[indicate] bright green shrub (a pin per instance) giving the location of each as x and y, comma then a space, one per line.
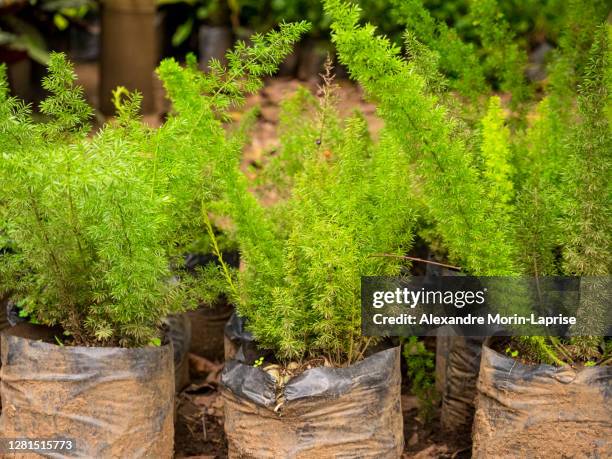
495, 150
504, 59
588, 234
508, 209
459, 60
565, 197
223, 89
317, 120
97, 222
570, 59
540, 150
427, 135
492, 57
303, 258
526, 18
90, 230
340, 214
197, 121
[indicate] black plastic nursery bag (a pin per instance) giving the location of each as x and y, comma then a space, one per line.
110, 402
323, 412
462, 361
541, 411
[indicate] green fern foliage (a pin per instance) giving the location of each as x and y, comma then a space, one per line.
457, 59
427, 134
588, 235
579, 22
504, 59
495, 150
99, 222
538, 182
303, 258
89, 233
507, 201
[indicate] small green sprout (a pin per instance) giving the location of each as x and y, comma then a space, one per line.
511, 353
258, 362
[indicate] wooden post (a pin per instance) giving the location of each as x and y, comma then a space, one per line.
129, 50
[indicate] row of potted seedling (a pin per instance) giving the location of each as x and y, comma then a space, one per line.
95, 228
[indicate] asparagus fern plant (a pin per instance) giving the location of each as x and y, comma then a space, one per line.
303, 258
510, 204
97, 221
88, 226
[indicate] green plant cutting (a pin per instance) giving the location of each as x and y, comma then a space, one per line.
303, 258
421, 373
505, 202
88, 216
97, 222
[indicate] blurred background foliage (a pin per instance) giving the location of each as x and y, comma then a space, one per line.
30, 29
532, 20
35, 25
31, 26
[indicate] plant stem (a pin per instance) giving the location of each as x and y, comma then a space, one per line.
406, 257
217, 252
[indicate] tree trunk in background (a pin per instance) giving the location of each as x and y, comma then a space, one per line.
129, 50
19, 71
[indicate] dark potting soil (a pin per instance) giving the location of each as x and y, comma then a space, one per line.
198, 430
424, 440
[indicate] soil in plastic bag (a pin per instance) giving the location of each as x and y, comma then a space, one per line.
323, 413
541, 411
178, 331
112, 402
457, 368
